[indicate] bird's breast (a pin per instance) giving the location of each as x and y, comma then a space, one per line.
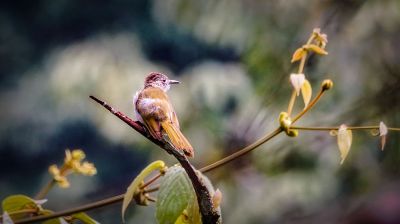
153, 103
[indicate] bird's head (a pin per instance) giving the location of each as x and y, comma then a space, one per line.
159, 80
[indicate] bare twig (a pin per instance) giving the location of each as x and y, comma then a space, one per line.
241, 152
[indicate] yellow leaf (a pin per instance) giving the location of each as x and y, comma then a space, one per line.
84, 218
182, 219
297, 81
383, 130
306, 92
298, 54
344, 139
133, 187
315, 48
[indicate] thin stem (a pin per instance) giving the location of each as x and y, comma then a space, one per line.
86, 207
43, 192
337, 128
299, 71
302, 63
303, 59
151, 181
309, 106
150, 190
291, 102
22, 211
151, 199
241, 152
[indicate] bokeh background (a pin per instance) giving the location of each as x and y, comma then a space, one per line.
233, 59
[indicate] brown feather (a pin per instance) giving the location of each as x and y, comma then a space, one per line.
176, 138
159, 117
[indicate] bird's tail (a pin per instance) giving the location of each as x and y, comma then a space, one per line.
177, 139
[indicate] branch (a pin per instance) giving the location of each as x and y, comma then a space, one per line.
93, 205
207, 210
138, 127
337, 128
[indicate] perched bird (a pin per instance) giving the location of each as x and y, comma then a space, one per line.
155, 111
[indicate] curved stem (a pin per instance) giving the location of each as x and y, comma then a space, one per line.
337, 128
43, 192
86, 207
151, 181
29, 210
241, 152
151, 189
291, 102
309, 106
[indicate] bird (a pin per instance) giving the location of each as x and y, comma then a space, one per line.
154, 110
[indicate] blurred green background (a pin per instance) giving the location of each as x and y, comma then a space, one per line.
233, 60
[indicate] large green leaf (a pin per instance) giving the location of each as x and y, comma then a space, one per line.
174, 196
133, 187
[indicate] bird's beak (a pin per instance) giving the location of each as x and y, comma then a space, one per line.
174, 82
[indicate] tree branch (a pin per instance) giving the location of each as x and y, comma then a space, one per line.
86, 207
207, 210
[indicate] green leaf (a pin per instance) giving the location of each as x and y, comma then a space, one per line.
84, 218
174, 196
133, 187
192, 210
19, 202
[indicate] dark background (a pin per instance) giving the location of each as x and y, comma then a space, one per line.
233, 59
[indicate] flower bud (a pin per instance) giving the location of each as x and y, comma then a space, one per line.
292, 133
327, 84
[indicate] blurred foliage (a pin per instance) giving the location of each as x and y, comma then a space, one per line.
233, 59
